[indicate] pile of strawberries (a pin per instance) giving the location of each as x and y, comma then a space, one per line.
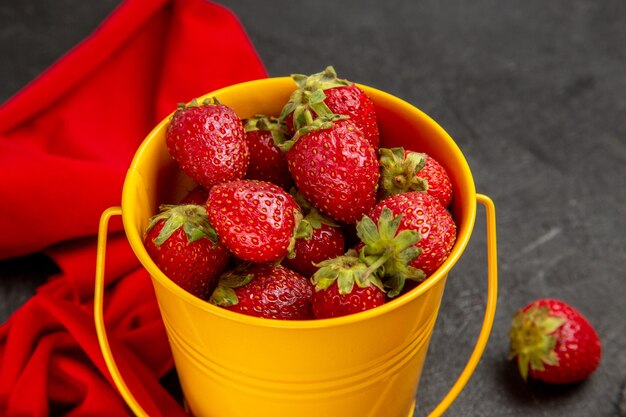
300, 215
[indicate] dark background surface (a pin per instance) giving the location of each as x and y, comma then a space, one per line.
534, 94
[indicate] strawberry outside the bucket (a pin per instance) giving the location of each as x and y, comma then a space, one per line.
553, 342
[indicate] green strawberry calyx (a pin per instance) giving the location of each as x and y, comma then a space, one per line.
392, 250
312, 219
306, 104
208, 101
311, 222
346, 270
305, 123
399, 171
191, 217
224, 294
274, 125
306, 225
320, 81
291, 247
532, 339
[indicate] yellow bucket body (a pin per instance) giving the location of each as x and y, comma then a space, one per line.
362, 365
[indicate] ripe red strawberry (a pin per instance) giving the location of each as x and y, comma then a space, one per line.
182, 243
323, 93
198, 195
404, 170
425, 214
352, 101
318, 238
267, 161
345, 285
265, 290
256, 220
553, 342
208, 143
335, 169
379, 263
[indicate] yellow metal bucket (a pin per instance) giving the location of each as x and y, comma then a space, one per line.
363, 365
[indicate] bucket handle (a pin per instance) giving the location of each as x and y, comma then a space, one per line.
490, 311
99, 317
481, 343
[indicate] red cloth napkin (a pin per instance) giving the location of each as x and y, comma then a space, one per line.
66, 142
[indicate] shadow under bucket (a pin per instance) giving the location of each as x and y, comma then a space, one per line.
363, 365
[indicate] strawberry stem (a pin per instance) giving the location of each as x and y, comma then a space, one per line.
373, 268
267, 124
191, 217
391, 252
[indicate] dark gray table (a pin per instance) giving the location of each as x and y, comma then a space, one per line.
533, 92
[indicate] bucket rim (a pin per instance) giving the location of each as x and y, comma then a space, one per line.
136, 239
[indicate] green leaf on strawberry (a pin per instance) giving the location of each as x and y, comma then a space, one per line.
383, 243
404, 171
346, 270
270, 124
321, 80
399, 171
318, 238
324, 95
183, 244
534, 331
335, 291
424, 213
553, 342
306, 124
191, 217
312, 220
224, 294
